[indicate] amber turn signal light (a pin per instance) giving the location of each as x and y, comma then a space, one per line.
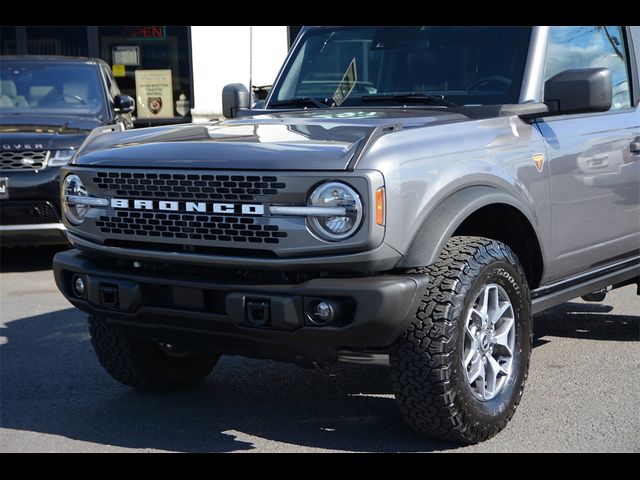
380, 206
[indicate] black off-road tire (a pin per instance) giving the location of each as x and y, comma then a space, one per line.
427, 372
146, 365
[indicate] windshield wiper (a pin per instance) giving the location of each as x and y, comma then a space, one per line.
316, 102
416, 97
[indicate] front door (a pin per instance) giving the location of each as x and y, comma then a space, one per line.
595, 178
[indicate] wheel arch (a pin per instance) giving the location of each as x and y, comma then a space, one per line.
473, 211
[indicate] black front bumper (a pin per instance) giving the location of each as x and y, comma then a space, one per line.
371, 312
31, 213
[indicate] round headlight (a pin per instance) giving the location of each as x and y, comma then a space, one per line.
335, 194
73, 187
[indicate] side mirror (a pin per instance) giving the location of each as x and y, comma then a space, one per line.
123, 104
234, 97
579, 90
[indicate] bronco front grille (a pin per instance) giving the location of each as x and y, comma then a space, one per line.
23, 159
202, 212
189, 227
177, 186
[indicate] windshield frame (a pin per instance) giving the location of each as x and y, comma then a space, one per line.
527, 92
103, 112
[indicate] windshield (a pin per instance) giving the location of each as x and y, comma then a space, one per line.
355, 65
50, 89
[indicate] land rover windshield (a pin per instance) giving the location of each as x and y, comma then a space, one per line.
360, 66
50, 88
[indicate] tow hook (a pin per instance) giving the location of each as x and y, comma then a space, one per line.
257, 312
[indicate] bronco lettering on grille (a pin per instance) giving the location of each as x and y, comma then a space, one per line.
174, 206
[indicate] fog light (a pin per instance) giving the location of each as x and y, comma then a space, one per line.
77, 285
322, 312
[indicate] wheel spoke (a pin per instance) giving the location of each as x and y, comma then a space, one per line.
471, 331
495, 366
494, 302
499, 312
484, 303
502, 334
470, 355
493, 369
480, 383
477, 369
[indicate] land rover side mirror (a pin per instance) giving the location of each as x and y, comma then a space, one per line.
234, 97
123, 104
579, 90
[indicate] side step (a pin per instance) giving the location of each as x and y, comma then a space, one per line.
588, 284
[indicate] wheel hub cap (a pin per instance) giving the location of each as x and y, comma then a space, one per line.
489, 342
484, 341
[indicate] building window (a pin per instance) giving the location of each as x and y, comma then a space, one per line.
8, 41
144, 56
69, 41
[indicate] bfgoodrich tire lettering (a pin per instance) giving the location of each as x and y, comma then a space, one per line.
145, 365
427, 368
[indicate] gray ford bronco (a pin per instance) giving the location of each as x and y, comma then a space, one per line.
408, 196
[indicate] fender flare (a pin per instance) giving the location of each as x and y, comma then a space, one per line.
446, 217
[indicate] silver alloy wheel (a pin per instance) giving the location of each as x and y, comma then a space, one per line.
489, 342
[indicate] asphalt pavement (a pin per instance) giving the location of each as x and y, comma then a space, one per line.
583, 393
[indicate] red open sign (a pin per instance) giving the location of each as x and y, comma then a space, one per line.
144, 32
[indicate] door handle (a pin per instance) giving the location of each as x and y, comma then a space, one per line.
635, 145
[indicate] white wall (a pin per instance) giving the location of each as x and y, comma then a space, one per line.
221, 55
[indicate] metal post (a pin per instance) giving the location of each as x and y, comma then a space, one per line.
250, 66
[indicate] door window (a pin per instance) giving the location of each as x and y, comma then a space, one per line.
584, 47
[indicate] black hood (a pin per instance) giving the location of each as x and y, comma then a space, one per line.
309, 140
23, 131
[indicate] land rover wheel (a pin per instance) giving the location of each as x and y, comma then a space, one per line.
460, 368
146, 365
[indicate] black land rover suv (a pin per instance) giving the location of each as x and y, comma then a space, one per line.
48, 106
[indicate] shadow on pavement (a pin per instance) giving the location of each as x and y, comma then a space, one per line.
51, 383
28, 259
588, 321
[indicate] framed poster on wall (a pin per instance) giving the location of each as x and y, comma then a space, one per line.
154, 94
126, 55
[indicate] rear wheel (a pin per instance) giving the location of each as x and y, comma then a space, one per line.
146, 365
460, 368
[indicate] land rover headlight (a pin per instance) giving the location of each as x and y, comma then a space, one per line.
335, 227
61, 157
73, 194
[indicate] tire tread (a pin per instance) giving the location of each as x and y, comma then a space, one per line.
422, 360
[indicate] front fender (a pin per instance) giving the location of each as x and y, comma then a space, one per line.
439, 226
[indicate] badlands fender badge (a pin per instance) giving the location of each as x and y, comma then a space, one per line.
538, 159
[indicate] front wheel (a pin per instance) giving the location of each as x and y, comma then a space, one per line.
460, 368
146, 365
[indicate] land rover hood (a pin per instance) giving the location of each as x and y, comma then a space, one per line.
39, 132
309, 140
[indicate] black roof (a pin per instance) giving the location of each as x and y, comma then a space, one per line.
51, 58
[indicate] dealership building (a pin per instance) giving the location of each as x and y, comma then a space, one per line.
189, 66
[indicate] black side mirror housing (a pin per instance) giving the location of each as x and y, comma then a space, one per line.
581, 90
123, 104
234, 97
